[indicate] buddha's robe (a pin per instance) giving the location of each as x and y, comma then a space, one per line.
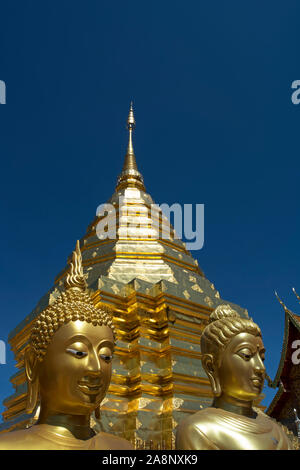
217, 429
47, 437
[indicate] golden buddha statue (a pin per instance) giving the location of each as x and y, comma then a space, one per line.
68, 368
232, 354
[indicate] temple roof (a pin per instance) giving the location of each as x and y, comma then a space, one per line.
281, 380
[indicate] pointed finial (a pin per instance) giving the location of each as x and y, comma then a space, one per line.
75, 277
130, 119
281, 302
130, 175
130, 160
293, 289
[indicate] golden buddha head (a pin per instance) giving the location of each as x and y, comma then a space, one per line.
68, 362
232, 354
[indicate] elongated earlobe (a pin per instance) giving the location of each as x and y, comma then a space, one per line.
32, 381
208, 362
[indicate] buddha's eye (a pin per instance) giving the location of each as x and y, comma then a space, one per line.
106, 357
77, 353
245, 354
105, 354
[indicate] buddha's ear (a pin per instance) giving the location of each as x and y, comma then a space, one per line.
211, 369
31, 362
30, 365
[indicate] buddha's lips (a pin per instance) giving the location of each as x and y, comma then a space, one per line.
258, 381
90, 388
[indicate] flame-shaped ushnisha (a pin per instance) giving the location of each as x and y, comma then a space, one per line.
72, 305
75, 277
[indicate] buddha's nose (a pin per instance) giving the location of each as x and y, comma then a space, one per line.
94, 365
259, 365
93, 379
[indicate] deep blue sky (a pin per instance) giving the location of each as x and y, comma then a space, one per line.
211, 84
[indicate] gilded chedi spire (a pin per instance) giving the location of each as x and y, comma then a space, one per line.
130, 176
130, 162
136, 240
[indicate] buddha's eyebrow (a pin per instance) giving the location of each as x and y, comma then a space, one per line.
249, 346
86, 341
244, 345
78, 337
106, 342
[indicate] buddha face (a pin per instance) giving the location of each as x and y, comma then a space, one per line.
76, 370
241, 370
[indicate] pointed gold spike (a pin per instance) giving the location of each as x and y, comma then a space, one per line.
293, 289
130, 162
131, 120
130, 176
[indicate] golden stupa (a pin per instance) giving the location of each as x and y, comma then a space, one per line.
161, 302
